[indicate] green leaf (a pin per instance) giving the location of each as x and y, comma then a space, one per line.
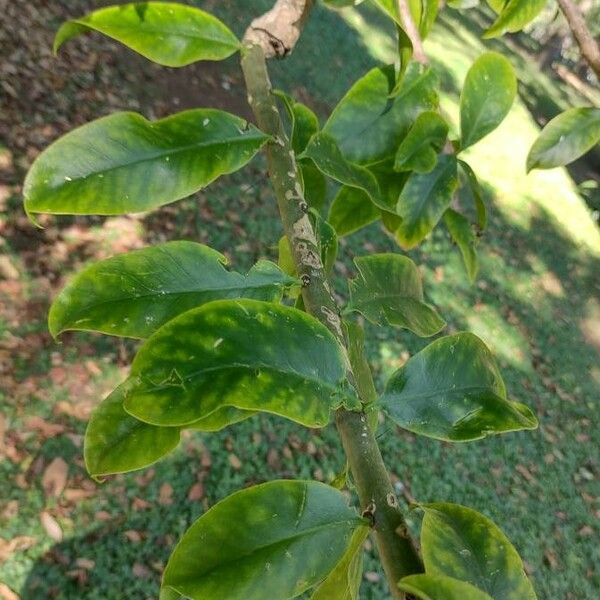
123, 163
220, 419
423, 13
459, 542
424, 200
115, 442
564, 139
343, 583
420, 148
487, 97
325, 153
462, 233
476, 192
368, 125
274, 540
453, 391
439, 587
328, 240
304, 122
314, 184
388, 290
167, 33
243, 353
134, 294
351, 210
358, 361
514, 15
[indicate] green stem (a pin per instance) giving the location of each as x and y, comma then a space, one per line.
375, 491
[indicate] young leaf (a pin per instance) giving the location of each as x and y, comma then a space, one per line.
564, 139
242, 353
419, 149
351, 210
124, 163
461, 543
423, 13
325, 153
170, 34
367, 125
453, 391
134, 294
116, 442
274, 540
487, 96
424, 200
439, 587
388, 290
343, 583
476, 192
462, 233
514, 15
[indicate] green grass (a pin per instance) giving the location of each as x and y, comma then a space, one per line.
535, 303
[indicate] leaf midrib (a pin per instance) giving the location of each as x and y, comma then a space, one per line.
179, 150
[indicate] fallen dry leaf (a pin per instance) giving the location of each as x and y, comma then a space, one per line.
196, 492
85, 563
17, 544
7, 594
139, 570
133, 536
51, 526
235, 462
54, 478
45, 429
165, 494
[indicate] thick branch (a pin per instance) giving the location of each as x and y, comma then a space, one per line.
375, 491
590, 49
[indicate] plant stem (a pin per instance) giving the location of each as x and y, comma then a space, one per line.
376, 494
590, 49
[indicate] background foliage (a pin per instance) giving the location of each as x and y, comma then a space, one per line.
535, 303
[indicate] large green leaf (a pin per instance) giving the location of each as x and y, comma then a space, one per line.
368, 125
116, 442
462, 233
136, 293
243, 353
424, 199
476, 193
514, 15
453, 391
439, 587
487, 96
420, 148
388, 290
167, 33
325, 153
564, 139
343, 583
351, 210
461, 543
274, 540
124, 163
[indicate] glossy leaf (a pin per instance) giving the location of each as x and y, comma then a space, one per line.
439, 587
168, 33
314, 184
343, 583
351, 210
462, 233
325, 153
453, 391
116, 442
134, 294
420, 148
487, 96
369, 126
242, 353
423, 13
424, 200
461, 543
327, 239
274, 540
477, 193
564, 139
388, 290
124, 163
514, 15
